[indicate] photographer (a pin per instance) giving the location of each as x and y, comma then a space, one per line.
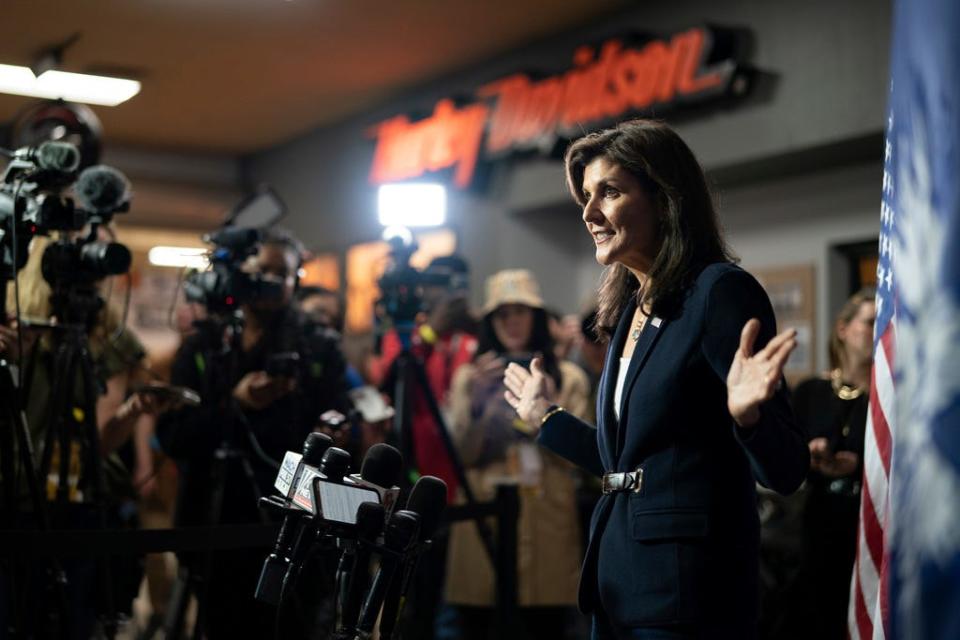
273, 401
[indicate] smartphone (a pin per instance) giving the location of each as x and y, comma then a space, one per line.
185, 395
524, 360
283, 365
369, 402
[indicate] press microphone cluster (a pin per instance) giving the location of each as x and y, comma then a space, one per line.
319, 498
361, 515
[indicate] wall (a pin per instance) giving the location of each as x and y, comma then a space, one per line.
824, 82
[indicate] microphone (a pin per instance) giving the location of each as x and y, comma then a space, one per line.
293, 463
428, 498
334, 464
62, 157
353, 574
277, 564
380, 471
102, 190
399, 536
326, 492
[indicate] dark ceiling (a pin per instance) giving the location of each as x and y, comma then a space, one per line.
236, 76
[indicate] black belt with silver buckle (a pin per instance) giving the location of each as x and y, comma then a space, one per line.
622, 481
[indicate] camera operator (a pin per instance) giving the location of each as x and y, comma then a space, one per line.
274, 401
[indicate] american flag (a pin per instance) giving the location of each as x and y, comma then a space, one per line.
906, 581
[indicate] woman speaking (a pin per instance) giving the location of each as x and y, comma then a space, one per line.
692, 410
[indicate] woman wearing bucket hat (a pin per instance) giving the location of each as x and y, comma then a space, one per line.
498, 447
691, 411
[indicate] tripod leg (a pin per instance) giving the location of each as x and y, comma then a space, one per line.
7, 448
486, 536
94, 468
401, 404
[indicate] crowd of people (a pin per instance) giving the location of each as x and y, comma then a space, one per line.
686, 431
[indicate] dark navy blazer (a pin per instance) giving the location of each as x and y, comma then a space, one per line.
684, 549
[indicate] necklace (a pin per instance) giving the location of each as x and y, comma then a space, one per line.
635, 334
843, 391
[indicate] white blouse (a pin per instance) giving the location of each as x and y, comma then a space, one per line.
618, 391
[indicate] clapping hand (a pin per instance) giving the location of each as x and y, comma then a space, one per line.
754, 377
529, 391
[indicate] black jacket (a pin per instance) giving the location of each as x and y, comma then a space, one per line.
684, 549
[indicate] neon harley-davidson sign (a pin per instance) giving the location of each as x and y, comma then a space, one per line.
519, 113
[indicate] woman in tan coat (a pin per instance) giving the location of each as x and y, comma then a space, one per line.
496, 448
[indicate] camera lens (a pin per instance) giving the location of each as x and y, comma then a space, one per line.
105, 258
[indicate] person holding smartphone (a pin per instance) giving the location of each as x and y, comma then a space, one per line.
496, 446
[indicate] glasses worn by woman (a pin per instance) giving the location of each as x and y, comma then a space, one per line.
691, 408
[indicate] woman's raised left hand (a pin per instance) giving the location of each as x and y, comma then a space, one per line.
754, 377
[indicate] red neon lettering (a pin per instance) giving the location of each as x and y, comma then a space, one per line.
511, 94
448, 138
524, 112
689, 82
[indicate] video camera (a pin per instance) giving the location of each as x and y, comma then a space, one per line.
32, 202
401, 285
225, 286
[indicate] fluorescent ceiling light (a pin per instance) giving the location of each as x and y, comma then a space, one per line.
412, 204
178, 257
73, 87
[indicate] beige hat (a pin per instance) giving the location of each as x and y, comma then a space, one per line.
512, 286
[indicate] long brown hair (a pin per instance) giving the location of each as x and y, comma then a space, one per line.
689, 231
846, 315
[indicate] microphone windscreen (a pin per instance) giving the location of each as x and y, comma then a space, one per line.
370, 516
101, 189
382, 465
428, 498
314, 447
401, 530
335, 464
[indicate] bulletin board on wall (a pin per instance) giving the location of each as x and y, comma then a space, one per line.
792, 291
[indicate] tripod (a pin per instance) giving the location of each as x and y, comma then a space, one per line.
219, 377
71, 425
407, 368
15, 442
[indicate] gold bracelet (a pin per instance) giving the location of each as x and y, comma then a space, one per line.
549, 414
